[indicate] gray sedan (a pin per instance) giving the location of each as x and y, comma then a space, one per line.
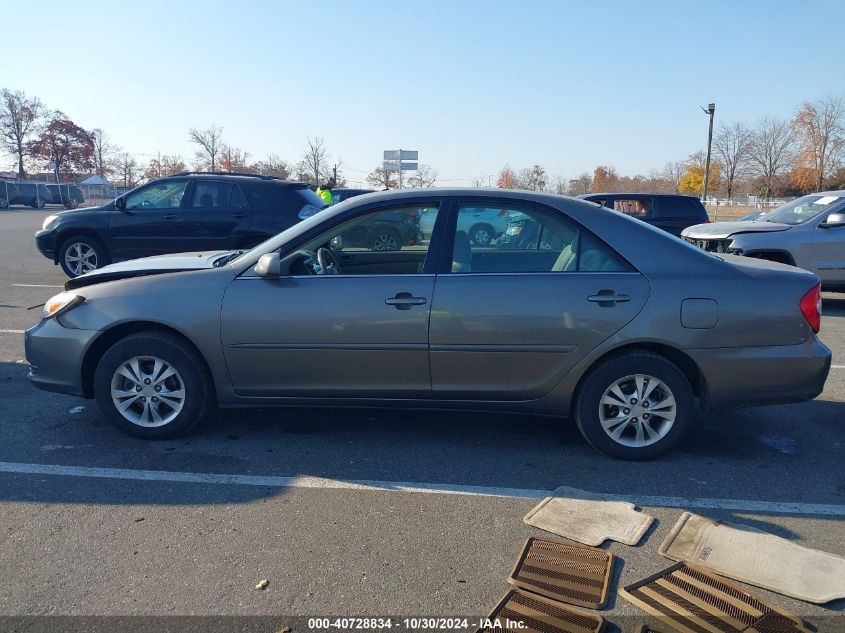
595, 317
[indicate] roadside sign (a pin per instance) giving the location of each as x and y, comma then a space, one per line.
401, 154
395, 165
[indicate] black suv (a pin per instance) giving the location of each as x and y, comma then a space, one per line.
32, 194
68, 195
8, 192
190, 211
339, 195
388, 231
670, 212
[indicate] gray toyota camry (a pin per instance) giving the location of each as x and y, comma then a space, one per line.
574, 311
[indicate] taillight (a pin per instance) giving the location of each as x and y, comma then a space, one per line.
811, 307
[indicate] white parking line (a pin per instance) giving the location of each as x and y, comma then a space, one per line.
12, 331
772, 507
36, 286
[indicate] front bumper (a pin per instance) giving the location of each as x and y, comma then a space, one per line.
747, 376
55, 355
45, 241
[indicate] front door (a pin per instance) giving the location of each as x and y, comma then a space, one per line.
149, 225
360, 333
511, 319
828, 252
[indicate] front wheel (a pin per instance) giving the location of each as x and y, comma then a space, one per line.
481, 235
4, 204
385, 239
634, 406
82, 254
38, 204
153, 385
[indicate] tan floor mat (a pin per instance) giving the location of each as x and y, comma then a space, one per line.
573, 574
540, 615
761, 559
589, 518
692, 600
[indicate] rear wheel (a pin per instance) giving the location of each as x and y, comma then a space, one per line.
153, 385
4, 204
384, 239
82, 254
634, 406
40, 203
481, 234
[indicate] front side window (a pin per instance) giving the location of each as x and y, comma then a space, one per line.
160, 195
532, 241
211, 195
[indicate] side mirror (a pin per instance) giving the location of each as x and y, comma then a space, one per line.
269, 265
834, 220
120, 204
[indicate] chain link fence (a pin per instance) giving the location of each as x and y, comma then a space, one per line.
39, 193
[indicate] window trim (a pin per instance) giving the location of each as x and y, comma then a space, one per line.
187, 194
445, 263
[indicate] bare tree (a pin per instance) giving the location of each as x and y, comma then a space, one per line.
104, 153
732, 146
672, 172
167, 166
382, 178
533, 178
210, 141
127, 168
19, 116
820, 131
424, 177
560, 185
273, 166
771, 149
580, 185
234, 159
314, 165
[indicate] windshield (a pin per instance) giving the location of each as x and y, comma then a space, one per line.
801, 210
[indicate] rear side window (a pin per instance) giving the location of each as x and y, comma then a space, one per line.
238, 199
682, 207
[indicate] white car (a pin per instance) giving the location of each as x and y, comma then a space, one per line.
482, 225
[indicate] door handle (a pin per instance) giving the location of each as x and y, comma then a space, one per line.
404, 301
608, 298
239, 215
170, 216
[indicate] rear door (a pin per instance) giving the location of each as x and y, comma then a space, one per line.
149, 225
675, 213
509, 324
216, 217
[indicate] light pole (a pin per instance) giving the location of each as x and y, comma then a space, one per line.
711, 108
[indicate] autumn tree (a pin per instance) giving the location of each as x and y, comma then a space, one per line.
425, 176
732, 147
65, 144
692, 180
604, 179
234, 159
507, 179
819, 129
167, 166
104, 156
383, 178
127, 169
771, 150
19, 116
273, 166
313, 167
210, 141
581, 185
533, 178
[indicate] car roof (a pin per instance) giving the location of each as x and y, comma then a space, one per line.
638, 193
229, 175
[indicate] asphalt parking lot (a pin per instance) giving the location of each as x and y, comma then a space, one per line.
357, 512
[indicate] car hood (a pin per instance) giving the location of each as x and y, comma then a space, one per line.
158, 265
721, 230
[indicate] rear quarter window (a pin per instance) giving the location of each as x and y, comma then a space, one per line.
682, 207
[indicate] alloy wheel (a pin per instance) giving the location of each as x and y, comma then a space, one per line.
148, 391
481, 237
80, 258
637, 410
385, 242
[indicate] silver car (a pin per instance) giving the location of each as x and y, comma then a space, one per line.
808, 232
619, 326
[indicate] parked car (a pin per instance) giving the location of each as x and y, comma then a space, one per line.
68, 195
8, 192
670, 212
339, 195
524, 232
35, 195
482, 226
192, 211
621, 327
386, 232
808, 232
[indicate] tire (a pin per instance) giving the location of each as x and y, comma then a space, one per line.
4, 204
91, 252
136, 356
71, 204
637, 439
384, 239
40, 203
481, 234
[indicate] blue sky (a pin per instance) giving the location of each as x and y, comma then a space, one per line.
471, 85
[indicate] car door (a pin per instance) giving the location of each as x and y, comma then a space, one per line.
149, 222
216, 216
509, 324
827, 251
361, 333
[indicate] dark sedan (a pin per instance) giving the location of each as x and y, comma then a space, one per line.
616, 325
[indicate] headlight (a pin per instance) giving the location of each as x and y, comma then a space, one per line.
50, 222
62, 302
